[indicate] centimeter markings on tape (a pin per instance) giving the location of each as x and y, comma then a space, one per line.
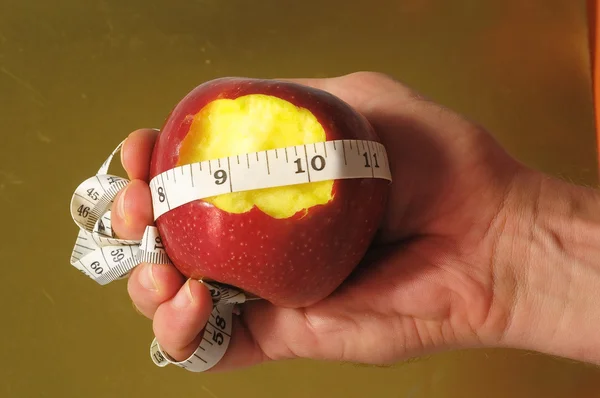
103, 257
329, 160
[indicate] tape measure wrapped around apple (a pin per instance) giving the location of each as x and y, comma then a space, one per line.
258, 187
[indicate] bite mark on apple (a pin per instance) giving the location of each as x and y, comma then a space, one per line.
253, 123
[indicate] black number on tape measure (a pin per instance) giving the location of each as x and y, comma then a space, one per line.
217, 337
118, 255
158, 357
317, 159
299, 165
83, 211
376, 163
158, 243
92, 193
112, 180
220, 177
220, 322
96, 267
317, 163
161, 194
215, 293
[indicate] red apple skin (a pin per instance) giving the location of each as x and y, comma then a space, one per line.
293, 262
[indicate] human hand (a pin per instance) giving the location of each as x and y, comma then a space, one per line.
430, 280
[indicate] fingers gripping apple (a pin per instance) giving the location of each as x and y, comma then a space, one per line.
291, 245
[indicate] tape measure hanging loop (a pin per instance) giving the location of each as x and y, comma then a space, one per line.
103, 257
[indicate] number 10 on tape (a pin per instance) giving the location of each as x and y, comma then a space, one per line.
330, 160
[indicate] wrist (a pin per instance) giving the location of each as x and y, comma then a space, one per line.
552, 238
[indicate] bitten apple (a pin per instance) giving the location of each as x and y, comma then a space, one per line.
291, 245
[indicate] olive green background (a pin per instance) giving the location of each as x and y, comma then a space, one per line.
77, 76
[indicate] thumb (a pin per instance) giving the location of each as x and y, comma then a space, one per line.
178, 322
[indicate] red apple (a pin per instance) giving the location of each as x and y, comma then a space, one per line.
292, 246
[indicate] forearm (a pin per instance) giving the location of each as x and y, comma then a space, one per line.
554, 239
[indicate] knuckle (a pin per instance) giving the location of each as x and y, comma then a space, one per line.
372, 77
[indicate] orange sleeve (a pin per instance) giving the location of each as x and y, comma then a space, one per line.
594, 38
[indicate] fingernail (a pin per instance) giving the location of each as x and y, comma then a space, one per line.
135, 307
121, 205
147, 278
184, 297
121, 151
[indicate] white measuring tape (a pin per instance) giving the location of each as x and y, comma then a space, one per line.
103, 257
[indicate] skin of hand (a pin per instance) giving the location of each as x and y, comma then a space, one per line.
443, 273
